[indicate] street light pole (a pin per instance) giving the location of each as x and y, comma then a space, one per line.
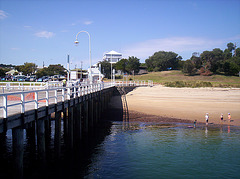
90, 60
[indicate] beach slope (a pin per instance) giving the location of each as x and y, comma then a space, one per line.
187, 103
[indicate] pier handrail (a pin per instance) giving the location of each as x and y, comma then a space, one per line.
66, 94
134, 83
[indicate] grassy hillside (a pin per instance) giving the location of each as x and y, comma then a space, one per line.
178, 79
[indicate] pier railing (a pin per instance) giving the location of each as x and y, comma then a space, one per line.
44, 97
44, 94
22, 86
134, 83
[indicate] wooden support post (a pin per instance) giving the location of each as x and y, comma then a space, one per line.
41, 141
18, 151
85, 129
57, 136
70, 127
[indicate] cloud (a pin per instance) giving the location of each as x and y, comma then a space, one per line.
87, 22
15, 48
3, 14
27, 26
44, 34
181, 45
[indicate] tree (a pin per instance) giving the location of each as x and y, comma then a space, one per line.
162, 60
51, 70
56, 70
230, 68
227, 54
106, 68
189, 67
27, 68
238, 52
231, 46
121, 65
133, 64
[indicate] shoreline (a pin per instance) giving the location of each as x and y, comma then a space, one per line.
184, 105
135, 116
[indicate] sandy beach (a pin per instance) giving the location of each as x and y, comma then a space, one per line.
187, 103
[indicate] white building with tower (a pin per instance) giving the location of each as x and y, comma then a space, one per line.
112, 56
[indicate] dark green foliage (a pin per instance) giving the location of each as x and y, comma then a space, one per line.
106, 68
27, 68
162, 60
189, 67
51, 70
214, 62
133, 65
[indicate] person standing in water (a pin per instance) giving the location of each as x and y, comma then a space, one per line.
221, 118
194, 124
229, 117
207, 118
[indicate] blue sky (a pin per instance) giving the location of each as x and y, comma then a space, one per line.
45, 30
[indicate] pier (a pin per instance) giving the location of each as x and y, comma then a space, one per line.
76, 109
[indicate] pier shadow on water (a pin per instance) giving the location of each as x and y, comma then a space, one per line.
118, 107
64, 156
61, 159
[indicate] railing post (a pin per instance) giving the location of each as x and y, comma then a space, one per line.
47, 97
56, 96
22, 103
36, 100
68, 93
63, 94
74, 92
5, 106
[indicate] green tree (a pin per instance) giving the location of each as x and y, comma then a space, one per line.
231, 46
106, 68
133, 64
238, 52
230, 68
227, 54
42, 72
121, 65
189, 67
56, 70
162, 60
27, 68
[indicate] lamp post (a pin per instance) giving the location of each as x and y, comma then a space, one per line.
90, 61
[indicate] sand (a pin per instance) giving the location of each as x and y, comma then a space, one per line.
187, 103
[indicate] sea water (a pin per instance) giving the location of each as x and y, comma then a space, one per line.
172, 152
136, 150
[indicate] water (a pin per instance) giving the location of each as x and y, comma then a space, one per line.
175, 152
135, 150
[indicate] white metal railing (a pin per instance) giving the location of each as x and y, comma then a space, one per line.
21, 86
134, 83
46, 96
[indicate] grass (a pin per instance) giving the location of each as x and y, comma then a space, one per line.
176, 78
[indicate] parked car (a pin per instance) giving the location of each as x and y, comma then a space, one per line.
33, 78
39, 80
20, 77
27, 78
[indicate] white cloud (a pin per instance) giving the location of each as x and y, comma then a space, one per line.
27, 26
88, 22
85, 22
180, 45
15, 48
44, 34
3, 14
